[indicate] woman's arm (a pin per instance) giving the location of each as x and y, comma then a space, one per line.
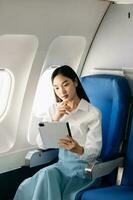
93, 144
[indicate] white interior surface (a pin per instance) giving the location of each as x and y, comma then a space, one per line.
66, 50
6, 90
16, 54
122, 1
113, 44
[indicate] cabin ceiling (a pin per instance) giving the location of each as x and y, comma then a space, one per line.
48, 19
120, 1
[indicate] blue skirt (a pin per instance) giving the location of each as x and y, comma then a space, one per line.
60, 181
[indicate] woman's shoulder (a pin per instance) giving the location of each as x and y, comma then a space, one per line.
91, 108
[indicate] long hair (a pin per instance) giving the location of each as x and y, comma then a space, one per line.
69, 73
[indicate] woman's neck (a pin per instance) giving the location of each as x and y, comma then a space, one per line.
73, 103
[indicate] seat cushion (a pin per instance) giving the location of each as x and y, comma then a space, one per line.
109, 193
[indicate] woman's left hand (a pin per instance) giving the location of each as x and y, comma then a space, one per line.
70, 144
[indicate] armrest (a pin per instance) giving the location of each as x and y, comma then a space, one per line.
98, 169
39, 157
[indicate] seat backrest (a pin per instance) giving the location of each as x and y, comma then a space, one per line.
127, 178
111, 94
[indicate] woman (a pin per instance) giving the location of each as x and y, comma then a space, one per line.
62, 180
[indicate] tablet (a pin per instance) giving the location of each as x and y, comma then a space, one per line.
52, 132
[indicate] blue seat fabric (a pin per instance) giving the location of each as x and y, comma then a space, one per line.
122, 192
112, 95
110, 193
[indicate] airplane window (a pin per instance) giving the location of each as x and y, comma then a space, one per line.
6, 87
44, 95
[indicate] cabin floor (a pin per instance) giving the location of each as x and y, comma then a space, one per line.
9, 181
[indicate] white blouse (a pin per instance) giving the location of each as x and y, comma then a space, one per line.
85, 125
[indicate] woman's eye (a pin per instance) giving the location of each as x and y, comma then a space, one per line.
66, 84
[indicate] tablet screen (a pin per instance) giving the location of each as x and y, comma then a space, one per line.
52, 132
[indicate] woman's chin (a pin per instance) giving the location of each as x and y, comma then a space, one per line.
65, 100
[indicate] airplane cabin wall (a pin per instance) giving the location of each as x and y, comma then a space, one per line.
113, 45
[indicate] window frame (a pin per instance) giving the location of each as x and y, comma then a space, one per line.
3, 111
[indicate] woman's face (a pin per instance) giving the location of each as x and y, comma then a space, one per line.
65, 88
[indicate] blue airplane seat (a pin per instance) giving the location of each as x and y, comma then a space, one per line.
123, 191
112, 95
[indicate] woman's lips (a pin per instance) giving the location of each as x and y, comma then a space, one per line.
65, 97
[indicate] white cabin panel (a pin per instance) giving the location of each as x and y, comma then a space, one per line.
113, 45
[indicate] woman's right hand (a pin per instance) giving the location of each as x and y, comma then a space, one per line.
62, 109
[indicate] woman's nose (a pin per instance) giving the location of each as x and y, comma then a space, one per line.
63, 90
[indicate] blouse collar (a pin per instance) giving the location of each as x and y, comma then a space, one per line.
83, 105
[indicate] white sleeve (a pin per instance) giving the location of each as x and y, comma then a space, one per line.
93, 144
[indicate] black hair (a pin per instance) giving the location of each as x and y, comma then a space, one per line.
67, 71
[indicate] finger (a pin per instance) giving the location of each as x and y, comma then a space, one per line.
66, 141
61, 107
70, 138
64, 102
62, 111
66, 146
67, 107
64, 108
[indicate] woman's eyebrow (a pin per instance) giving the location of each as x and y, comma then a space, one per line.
61, 83
65, 81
